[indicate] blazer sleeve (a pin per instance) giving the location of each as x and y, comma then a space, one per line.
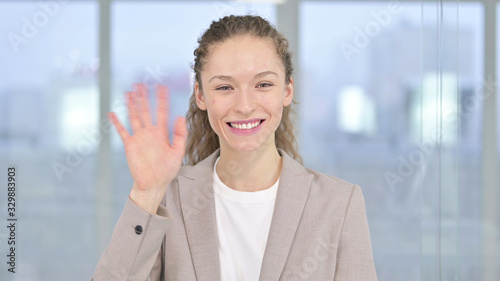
354, 255
135, 249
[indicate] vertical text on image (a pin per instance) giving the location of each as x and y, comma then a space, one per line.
11, 218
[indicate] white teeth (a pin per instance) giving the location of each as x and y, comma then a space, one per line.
246, 126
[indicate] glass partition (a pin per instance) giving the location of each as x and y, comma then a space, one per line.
49, 103
391, 99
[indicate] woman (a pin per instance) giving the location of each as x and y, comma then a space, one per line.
245, 208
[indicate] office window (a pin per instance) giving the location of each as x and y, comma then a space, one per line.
497, 63
48, 109
381, 84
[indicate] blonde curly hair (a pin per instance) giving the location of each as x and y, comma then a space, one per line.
202, 140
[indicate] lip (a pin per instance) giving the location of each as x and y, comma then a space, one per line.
244, 132
247, 121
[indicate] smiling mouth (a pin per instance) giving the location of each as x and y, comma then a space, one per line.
245, 126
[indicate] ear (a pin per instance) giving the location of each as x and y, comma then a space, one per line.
200, 97
288, 94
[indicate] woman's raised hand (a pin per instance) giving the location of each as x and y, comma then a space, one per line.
153, 161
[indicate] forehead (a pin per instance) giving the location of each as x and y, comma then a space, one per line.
243, 55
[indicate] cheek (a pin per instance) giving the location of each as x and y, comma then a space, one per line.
214, 115
277, 115
214, 123
279, 108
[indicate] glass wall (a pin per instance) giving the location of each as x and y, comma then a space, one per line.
391, 100
396, 96
49, 104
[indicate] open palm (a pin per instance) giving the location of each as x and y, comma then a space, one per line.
153, 161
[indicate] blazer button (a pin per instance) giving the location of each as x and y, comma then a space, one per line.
138, 229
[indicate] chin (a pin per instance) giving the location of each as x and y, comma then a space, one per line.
246, 147
250, 144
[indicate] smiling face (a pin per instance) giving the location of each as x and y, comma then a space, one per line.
244, 92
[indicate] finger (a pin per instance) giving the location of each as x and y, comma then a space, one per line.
119, 127
180, 135
143, 97
135, 119
133, 110
163, 101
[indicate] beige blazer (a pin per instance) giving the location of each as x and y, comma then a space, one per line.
319, 231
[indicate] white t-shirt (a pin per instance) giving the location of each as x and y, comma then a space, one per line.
243, 222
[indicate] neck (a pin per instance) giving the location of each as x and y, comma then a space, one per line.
249, 171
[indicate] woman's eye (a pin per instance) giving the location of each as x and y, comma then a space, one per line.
265, 85
223, 88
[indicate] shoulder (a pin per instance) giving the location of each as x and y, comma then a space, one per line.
334, 196
330, 186
321, 184
328, 180
201, 168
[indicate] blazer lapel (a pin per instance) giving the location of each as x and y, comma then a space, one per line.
293, 190
198, 211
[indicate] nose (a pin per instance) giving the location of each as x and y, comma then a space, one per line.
245, 103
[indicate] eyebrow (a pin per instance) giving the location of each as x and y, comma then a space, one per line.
229, 78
